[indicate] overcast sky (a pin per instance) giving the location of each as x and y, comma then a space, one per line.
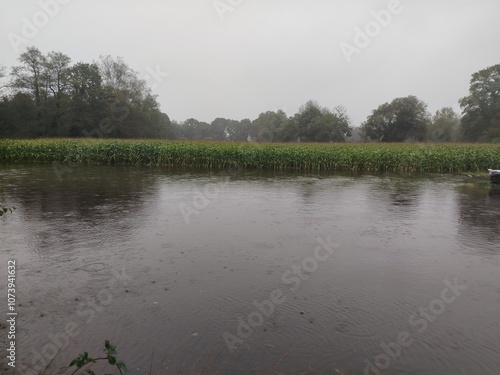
238, 58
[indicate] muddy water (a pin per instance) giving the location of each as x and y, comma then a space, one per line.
252, 273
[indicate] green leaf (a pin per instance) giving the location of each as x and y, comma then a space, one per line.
110, 348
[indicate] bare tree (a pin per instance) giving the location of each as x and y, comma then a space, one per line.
119, 76
28, 77
3, 74
56, 73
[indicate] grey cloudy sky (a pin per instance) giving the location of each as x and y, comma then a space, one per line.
249, 56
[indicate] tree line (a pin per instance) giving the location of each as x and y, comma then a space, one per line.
48, 96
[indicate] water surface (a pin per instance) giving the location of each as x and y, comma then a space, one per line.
165, 263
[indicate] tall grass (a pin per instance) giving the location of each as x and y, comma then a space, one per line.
277, 156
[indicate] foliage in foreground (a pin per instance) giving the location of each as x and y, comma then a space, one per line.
83, 359
271, 156
5, 210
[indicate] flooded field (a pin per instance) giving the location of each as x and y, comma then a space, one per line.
252, 273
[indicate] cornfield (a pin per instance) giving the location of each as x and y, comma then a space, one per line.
275, 156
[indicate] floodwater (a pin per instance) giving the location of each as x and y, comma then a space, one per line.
252, 273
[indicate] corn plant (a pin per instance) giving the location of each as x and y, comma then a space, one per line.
271, 156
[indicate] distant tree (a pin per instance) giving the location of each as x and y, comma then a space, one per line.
269, 126
307, 114
119, 76
29, 76
218, 128
445, 126
401, 120
318, 124
55, 78
45, 79
56, 73
168, 128
133, 111
104, 99
19, 117
481, 109
238, 131
88, 101
3, 74
194, 129
284, 128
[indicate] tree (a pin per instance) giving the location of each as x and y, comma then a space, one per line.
122, 79
19, 117
238, 131
284, 130
481, 109
56, 73
169, 129
133, 111
105, 99
88, 102
28, 77
317, 124
45, 79
308, 113
118, 75
194, 129
445, 126
55, 78
3, 74
401, 120
218, 128
268, 125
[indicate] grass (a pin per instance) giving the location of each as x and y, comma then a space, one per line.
409, 157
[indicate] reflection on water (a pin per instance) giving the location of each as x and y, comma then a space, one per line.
480, 217
108, 250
